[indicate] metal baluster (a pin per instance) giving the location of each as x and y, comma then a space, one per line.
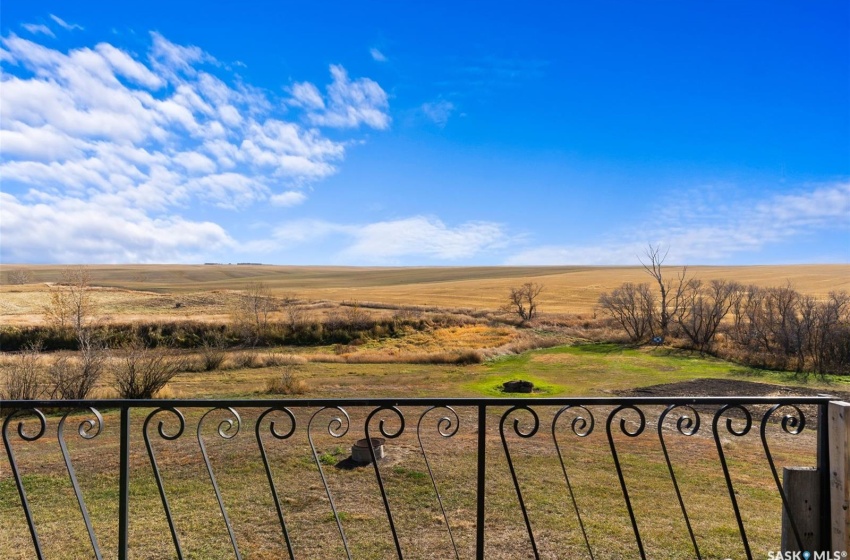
388, 435
686, 426
749, 423
14, 465
83, 430
522, 434
581, 428
635, 433
169, 437
334, 425
224, 428
281, 436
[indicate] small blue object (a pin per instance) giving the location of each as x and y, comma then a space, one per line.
807, 555
657, 339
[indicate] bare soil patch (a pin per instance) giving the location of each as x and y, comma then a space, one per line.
711, 387
736, 388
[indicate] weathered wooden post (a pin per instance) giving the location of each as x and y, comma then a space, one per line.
839, 474
802, 490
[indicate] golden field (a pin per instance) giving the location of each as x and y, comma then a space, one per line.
130, 292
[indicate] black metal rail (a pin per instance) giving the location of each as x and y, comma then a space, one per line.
518, 420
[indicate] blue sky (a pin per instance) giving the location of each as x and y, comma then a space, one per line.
439, 133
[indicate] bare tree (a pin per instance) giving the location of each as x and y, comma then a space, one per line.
24, 379
292, 311
702, 309
632, 306
19, 276
252, 312
70, 304
670, 289
826, 332
74, 378
142, 370
523, 300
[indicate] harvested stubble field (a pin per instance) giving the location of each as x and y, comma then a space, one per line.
126, 294
136, 291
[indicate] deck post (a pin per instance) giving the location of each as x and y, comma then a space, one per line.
802, 489
839, 470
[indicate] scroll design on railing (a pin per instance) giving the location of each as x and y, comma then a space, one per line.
14, 465
446, 427
582, 428
224, 431
168, 437
792, 425
748, 423
630, 433
277, 435
687, 426
389, 435
334, 427
84, 429
523, 434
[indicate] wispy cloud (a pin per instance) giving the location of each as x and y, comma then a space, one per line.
377, 55
438, 111
348, 103
288, 198
92, 132
65, 25
395, 241
38, 28
701, 227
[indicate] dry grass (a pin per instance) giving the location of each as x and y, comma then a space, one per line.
239, 472
146, 291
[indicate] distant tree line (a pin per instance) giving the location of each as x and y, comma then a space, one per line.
776, 327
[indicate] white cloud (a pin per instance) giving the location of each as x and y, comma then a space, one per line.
97, 131
72, 230
348, 103
394, 241
699, 230
288, 198
36, 28
439, 111
421, 236
307, 95
377, 55
65, 25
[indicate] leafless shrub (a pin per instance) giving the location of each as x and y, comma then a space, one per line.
247, 360
19, 276
141, 370
213, 352
287, 383
251, 313
24, 379
75, 377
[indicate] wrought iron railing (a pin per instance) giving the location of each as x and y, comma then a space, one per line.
494, 432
